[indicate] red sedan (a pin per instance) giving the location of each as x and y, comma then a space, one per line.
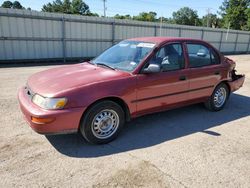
133, 78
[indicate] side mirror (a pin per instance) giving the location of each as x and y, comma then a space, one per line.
201, 53
152, 68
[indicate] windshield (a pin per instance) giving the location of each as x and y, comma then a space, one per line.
125, 55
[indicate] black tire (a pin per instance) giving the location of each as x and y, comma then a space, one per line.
210, 104
88, 129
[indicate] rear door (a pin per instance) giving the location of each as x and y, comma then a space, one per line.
204, 70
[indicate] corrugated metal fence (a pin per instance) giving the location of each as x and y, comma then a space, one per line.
30, 35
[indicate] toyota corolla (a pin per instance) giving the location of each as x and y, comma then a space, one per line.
133, 78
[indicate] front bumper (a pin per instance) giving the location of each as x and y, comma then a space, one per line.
65, 120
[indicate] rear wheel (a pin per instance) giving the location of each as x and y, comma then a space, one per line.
102, 122
218, 99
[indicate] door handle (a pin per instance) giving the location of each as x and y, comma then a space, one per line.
182, 78
217, 73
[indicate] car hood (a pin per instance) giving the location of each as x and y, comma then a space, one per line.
54, 81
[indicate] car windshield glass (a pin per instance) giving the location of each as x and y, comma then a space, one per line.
125, 55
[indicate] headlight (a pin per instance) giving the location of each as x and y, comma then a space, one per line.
49, 103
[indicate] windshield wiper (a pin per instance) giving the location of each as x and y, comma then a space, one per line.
90, 62
105, 65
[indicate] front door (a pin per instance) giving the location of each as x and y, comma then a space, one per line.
156, 91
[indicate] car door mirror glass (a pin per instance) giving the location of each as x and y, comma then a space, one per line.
201, 53
152, 68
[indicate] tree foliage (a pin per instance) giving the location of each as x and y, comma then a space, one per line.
7, 4
165, 20
146, 16
79, 7
17, 5
235, 13
211, 20
68, 7
247, 27
186, 16
122, 17
13, 5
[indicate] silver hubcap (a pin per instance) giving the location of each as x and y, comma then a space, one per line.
220, 97
105, 124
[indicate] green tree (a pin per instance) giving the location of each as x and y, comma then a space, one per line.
7, 4
68, 7
247, 26
211, 20
146, 16
14, 5
17, 5
122, 17
92, 14
235, 13
165, 20
55, 6
79, 7
186, 16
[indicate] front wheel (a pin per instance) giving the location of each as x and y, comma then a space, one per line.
218, 99
102, 122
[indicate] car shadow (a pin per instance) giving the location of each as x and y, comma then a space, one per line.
154, 129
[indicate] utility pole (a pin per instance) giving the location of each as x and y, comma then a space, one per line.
161, 25
208, 16
104, 8
228, 28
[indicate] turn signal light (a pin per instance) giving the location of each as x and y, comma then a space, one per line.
42, 120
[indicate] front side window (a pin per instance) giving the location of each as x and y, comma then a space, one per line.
125, 55
199, 56
169, 57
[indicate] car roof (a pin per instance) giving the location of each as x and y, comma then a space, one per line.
160, 40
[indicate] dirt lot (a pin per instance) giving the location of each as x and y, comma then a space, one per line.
187, 147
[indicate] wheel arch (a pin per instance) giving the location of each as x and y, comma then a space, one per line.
117, 100
227, 84
209, 104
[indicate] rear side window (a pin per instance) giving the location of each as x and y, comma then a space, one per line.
200, 55
214, 57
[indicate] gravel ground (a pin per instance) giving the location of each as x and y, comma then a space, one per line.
186, 147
